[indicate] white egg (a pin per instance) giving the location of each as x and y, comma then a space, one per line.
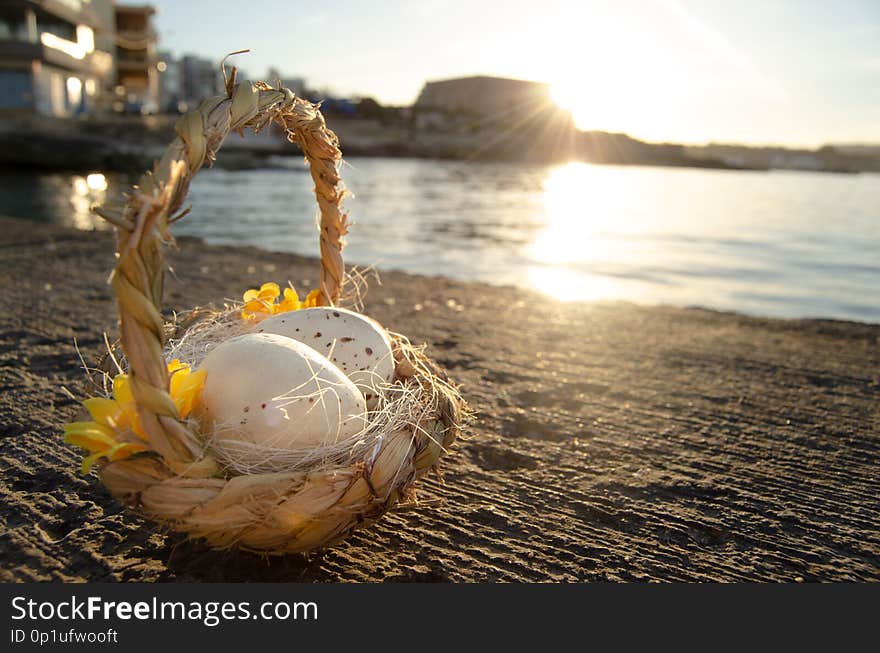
266, 392
357, 344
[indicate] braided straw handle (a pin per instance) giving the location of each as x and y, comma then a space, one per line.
143, 228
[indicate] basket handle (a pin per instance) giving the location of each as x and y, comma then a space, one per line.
142, 228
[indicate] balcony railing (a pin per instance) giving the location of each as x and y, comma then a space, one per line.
141, 38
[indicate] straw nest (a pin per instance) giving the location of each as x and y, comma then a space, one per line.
180, 480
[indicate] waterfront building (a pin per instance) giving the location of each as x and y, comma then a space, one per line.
137, 74
201, 78
483, 96
49, 59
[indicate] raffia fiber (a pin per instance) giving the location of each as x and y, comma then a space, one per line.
180, 484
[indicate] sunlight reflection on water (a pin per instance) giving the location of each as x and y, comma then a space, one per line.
62, 198
782, 243
86, 192
572, 235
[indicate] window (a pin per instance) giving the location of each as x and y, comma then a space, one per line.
74, 92
16, 89
47, 23
12, 25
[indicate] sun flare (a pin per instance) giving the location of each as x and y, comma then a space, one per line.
575, 98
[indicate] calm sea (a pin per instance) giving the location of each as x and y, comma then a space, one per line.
785, 244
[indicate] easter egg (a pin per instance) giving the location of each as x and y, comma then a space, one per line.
356, 344
265, 392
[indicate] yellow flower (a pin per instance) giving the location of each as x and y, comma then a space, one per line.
312, 299
117, 416
260, 304
290, 302
185, 386
99, 440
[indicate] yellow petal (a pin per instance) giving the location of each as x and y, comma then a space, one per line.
177, 377
80, 427
269, 291
136, 426
122, 389
88, 461
104, 411
250, 294
124, 450
258, 306
188, 391
91, 436
285, 307
290, 302
117, 452
312, 298
176, 365
256, 309
125, 417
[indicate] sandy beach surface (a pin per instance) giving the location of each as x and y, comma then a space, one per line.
611, 442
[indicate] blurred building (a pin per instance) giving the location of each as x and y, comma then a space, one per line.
49, 62
495, 118
295, 84
824, 159
185, 82
137, 74
170, 83
201, 78
483, 96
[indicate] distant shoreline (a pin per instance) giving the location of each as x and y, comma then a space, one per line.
131, 144
57, 151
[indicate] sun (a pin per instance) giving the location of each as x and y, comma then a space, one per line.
612, 104
575, 98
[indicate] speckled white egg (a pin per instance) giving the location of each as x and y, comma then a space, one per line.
267, 392
357, 344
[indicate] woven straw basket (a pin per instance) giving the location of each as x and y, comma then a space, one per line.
177, 482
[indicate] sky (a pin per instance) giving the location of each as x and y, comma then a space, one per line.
787, 72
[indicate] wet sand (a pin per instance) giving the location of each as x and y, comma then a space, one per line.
612, 442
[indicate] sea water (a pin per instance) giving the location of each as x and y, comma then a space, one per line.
779, 243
